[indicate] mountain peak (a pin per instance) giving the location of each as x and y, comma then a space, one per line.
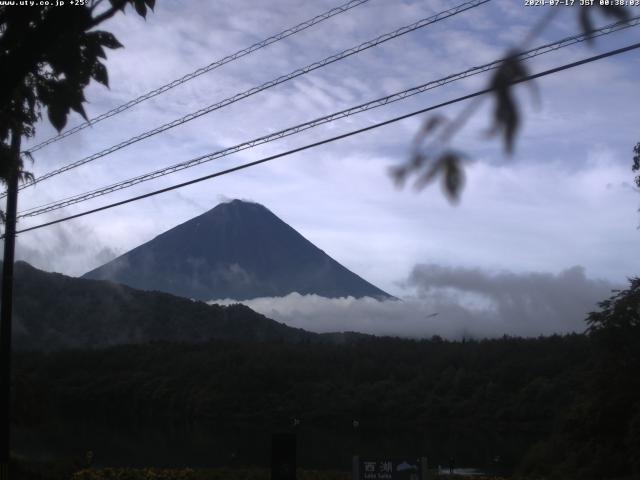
236, 203
238, 249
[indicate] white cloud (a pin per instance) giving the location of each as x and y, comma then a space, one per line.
452, 303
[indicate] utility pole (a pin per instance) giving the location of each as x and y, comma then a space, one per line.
6, 307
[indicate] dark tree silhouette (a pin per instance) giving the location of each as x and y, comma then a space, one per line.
48, 55
618, 313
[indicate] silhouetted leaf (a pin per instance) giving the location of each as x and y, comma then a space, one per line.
399, 175
57, 115
78, 108
94, 46
26, 177
119, 4
29, 155
140, 7
417, 160
428, 126
432, 123
586, 22
150, 3
615, 11
107, 39
67, 95
506, 118
427, 177
100, 74
453, 176
10, 164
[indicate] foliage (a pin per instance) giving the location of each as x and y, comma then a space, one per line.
169, 474
217, 474
190, 474
618, 321
23, 469
437, 158
600, 434
509, 386
48, 55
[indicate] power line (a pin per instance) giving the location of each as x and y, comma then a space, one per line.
333, 139
541, 50
284, 78
212, 66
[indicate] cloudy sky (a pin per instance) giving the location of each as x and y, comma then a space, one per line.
555, 224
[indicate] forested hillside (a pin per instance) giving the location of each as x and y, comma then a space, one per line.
564, 406
54, 311
508, 388
511, 383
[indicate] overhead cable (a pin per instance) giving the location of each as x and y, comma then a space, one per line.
212, 66
541, 50
272, 83
332, 139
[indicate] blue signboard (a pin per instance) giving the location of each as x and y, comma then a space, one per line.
401, 468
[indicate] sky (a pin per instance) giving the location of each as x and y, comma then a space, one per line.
538, 238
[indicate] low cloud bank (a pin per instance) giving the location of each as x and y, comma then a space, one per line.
452, 303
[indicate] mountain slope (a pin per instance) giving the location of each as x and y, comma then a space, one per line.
238, 250
53, 311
